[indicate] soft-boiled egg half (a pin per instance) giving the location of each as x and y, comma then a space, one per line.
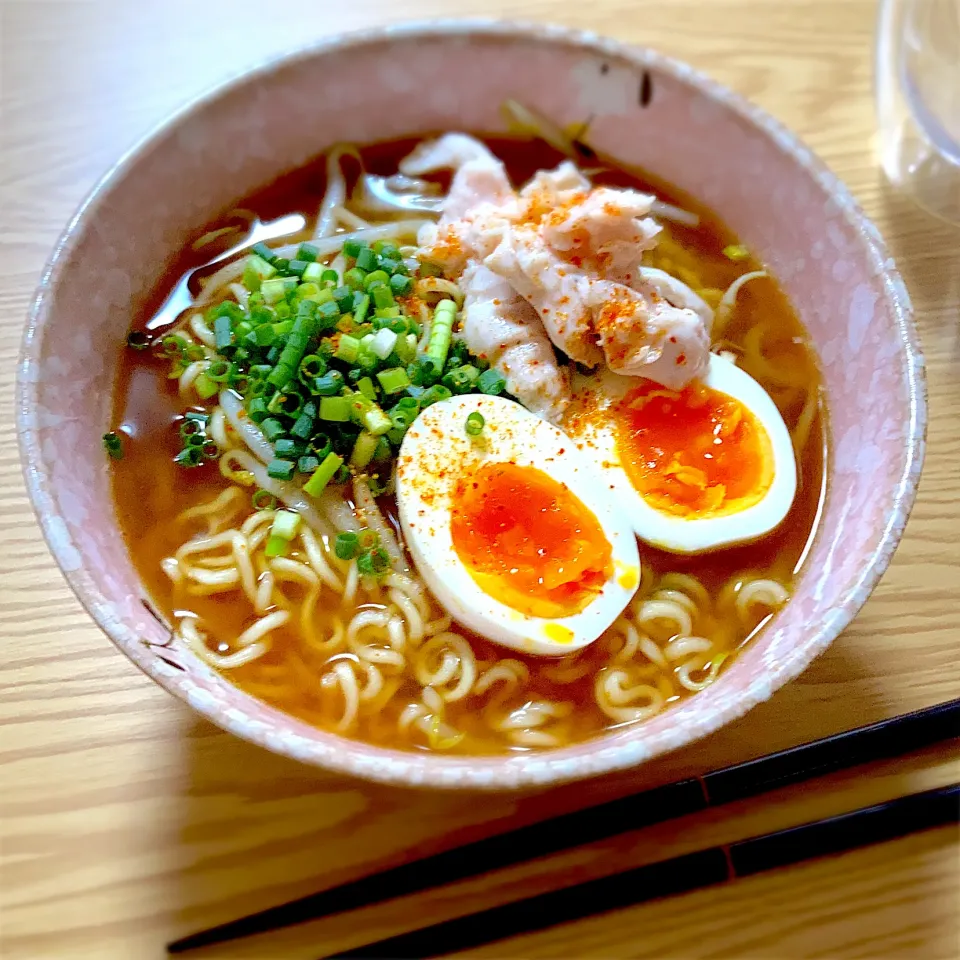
705, 467
512, 528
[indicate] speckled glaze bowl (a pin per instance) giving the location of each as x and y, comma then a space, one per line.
646, 110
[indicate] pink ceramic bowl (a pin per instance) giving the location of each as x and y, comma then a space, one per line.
781, 200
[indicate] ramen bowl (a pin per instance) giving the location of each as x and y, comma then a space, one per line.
644, 110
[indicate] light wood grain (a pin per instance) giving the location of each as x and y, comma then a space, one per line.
125, 820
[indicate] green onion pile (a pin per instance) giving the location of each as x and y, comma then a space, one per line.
328, 365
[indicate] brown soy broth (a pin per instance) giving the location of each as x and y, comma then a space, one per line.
150, 490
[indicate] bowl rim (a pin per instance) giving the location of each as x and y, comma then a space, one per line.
385, 765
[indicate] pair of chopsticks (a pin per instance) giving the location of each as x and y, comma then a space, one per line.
889, 738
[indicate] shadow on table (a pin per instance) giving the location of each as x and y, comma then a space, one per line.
257, 829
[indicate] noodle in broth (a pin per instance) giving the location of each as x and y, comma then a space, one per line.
379, 659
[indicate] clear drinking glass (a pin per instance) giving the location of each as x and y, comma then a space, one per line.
917, 82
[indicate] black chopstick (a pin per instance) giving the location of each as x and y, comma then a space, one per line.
885, 821
888, 738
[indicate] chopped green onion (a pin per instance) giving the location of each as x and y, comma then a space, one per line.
173, 346
401, 285
344, 298
113, 445
295, 347
321, 445
373, 562
352, 248
736, 252
422, 371
368, 539
353, 278
361, 304
442, 332
310, 291
328, 313
311, 367
263, 251
288, 447
383, 298
303, 428
273, 290
285, 524
311, 276
219, 371
462, 379
378, 276
250, 278
281, 469
383, 343
348, 349
329, 385
289, 403
297, 267
383, 451
435, 394
282, 531
257, 409
393, 380
346, 545
189, 457
308, 252
323, 475
366, 258
406, 348
474, 425
264, 500
335, 409
223, 334
363, 450
369, 415
330, 278
307, 463
366, 387
262, 266
491, 382
205, 387
189, 427
272, 429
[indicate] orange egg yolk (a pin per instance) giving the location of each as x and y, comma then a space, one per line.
528, 541
694, 453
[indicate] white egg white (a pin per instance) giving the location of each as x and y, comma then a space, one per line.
690, 535
436, 452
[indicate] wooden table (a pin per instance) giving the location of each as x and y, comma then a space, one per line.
126, 820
